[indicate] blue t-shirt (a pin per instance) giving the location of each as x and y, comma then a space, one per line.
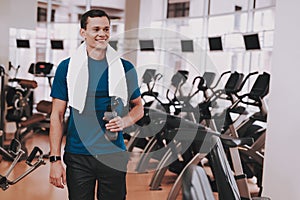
85, 133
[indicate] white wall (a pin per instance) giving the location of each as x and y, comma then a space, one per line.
15, 14
116, 4
197, 8
217, 6
159, 10
145, 13
282, 162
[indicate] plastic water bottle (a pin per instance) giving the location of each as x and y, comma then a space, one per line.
110, 114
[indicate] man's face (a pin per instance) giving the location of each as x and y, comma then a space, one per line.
97, 32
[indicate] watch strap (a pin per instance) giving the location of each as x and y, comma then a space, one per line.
54, 158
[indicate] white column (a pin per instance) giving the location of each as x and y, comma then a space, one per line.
132, 19
282, 160
137, 15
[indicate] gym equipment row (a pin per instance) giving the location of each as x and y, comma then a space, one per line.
234, 85
18, 96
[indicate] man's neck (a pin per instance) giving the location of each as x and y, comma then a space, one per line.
97, 54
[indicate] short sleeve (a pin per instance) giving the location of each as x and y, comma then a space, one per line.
59, 86
132, 80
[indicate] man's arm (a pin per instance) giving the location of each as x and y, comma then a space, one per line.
57, 172
136, 113
56, 125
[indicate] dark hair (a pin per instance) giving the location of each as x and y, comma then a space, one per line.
92, 13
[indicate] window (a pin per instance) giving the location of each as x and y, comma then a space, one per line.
42, 14
180, 9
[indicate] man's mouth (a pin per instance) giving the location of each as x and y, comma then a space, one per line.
101, 40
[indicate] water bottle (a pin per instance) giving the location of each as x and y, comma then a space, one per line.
110, 114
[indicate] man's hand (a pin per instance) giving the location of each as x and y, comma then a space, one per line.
57, 175
120, 123
116, 124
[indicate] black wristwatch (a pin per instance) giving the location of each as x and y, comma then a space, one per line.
54, 158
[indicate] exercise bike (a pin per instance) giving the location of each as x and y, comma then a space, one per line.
252, 156
19, 100
153, 127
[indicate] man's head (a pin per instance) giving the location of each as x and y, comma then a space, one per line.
92, 14
95, 29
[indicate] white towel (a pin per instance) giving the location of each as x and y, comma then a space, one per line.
78, 76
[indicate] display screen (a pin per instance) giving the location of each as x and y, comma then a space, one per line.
57, 44
215, 43
146, 45
187, 46
251, 41
23, 43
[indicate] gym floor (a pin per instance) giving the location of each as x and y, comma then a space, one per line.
36, 184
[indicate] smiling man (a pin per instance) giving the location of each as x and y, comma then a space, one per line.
84, 82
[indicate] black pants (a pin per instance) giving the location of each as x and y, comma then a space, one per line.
84, 171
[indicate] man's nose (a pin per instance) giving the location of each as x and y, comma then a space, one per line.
101, 32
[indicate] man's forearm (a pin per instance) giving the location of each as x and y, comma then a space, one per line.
136, 113
55, 135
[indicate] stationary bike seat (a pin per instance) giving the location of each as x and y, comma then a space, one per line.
44, 106
28, 83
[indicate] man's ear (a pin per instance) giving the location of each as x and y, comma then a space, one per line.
82, 33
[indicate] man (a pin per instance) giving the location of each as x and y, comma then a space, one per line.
84, 82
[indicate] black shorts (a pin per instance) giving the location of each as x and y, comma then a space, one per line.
84, 171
